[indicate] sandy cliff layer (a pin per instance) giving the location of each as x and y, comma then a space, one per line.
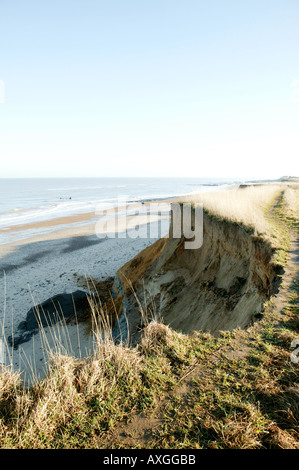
220, 286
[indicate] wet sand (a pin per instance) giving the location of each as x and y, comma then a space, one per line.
51, 223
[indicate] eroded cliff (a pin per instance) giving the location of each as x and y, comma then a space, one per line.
219, 286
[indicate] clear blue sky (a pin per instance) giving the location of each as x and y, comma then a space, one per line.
149, 88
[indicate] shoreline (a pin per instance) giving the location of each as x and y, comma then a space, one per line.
70, 230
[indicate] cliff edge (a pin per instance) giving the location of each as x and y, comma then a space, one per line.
219, 286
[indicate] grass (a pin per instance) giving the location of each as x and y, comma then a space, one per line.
250, 207
239, 390
243, 206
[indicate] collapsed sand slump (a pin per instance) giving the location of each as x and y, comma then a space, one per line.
219, 286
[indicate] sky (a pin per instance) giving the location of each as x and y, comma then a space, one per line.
149, 88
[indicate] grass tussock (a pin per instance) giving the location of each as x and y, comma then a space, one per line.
75, 402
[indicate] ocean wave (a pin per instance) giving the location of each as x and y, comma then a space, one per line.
50, 212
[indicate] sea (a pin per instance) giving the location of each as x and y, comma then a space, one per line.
33, 200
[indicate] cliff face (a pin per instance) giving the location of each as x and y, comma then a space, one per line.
220, 286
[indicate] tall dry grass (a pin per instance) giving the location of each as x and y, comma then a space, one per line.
237, 204
291, 198
31, 416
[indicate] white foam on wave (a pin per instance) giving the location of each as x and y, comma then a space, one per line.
50, 212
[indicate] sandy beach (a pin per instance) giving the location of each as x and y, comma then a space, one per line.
38, 268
